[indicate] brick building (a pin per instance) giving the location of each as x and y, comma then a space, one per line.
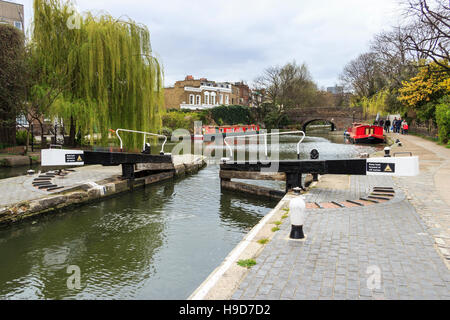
243, 93
200, 94
12, 13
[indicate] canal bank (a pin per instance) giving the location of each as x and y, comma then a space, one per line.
24, 200
403, 240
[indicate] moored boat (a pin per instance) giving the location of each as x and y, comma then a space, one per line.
365, 133
211, 133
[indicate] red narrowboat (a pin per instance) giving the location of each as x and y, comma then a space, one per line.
210, 133
364, 133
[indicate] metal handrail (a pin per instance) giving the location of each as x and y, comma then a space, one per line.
265, 139
145, 137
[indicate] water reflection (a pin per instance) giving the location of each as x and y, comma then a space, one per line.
234, 209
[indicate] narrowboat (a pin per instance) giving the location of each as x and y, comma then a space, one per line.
211, 133
364, 133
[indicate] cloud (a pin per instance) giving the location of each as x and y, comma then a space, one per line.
236, 39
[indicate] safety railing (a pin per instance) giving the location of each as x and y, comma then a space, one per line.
145, 137
265, 135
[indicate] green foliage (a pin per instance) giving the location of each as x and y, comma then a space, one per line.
246, 263
231, 115
275, 229
180, 120
276, 118
21, 138
443, 119
376, 103
106, 66
263, 241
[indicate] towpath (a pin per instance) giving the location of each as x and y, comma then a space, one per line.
397, 249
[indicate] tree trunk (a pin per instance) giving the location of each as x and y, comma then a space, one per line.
72, 132
43, 143
27, 144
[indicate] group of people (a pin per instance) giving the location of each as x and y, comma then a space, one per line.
397, 126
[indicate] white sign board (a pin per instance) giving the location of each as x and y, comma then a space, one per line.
58, 157
399, 167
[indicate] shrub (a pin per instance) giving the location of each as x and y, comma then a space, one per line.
21, 138
443, 119
231, 115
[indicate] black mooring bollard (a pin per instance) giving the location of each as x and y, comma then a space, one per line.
387, 152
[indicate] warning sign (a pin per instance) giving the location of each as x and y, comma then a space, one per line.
381, 167
74, 158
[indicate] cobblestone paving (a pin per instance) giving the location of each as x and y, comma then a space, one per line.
434, 211
347, 251
360, 186
19, 189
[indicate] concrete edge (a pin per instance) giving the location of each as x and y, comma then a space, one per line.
222, 282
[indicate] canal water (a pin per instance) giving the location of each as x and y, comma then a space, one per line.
160, 242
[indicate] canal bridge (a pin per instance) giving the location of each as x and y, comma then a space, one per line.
340, 118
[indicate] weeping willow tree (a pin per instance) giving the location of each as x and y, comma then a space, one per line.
106, 66
378, 103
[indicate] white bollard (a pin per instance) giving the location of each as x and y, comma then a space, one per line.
297, 210
387, 152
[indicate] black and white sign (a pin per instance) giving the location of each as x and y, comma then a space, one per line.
74, 158
381, 167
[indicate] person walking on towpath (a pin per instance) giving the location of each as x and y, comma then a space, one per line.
387, 126
405, 127
398, 125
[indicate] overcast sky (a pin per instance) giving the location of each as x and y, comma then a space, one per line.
233, 40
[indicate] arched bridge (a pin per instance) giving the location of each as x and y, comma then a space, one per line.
340, 118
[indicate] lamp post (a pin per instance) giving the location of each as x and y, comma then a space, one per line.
297, 209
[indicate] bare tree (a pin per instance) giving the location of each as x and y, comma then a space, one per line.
429, 33
396, 62
290, 86
363, 75
270, 83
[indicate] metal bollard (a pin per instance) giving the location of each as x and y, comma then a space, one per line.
314, 155
297, 209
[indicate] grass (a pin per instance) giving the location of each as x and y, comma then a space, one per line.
275, 229
285, 217
263, 241
278, 223
286, 209
246, 263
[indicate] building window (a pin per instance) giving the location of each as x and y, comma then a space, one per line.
206, 97
191, 99
22, 121
199, 100
213, 98
221, 99
227, 100
18, 25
